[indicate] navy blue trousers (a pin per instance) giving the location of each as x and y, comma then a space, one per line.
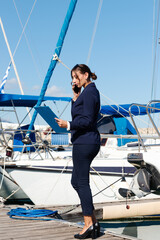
82, 158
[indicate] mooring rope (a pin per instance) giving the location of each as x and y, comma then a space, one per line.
33, 214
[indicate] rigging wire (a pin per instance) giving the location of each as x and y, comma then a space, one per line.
94, 30
92, 40
58, 59
55, 57
23, 27
56, 107
155, 54
153, 40
11, 55
91, 45
23, 32
107, 97
64, 109
57, 180
71, 208
112, 188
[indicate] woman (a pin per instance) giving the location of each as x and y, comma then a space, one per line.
86, 142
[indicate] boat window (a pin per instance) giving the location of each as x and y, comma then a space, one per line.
106, 125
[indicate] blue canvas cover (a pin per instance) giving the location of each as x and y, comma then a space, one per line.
18, 140
123, 110
26, 100
124, 127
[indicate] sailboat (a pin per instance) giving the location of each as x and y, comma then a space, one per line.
47, 181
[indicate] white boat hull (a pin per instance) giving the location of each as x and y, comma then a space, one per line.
47, 182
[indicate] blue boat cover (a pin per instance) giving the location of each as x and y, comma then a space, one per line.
17, 142
123, 110
26, 100
124, 127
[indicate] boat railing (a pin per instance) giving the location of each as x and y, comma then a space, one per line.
129, 136
140, 139
9, 146
40, 145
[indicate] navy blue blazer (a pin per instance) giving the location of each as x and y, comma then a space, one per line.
84, 117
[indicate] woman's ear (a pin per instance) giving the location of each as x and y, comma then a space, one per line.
86, 75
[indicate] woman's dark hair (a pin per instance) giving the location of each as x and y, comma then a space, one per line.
83, 69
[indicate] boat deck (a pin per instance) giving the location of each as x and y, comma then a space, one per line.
39, 229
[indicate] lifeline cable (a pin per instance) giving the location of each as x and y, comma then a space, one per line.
75, 206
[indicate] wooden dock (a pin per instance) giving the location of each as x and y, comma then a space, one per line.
11, 229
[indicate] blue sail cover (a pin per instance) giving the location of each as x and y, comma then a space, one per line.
7, 100
123, 110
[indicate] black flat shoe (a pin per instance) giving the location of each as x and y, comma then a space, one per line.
90, 232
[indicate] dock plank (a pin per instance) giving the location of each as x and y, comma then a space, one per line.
13, 229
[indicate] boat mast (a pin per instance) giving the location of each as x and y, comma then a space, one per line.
12, 60
53, 60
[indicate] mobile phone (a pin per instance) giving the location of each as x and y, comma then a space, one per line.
76, 89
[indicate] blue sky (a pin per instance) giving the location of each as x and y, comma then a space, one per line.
122, 54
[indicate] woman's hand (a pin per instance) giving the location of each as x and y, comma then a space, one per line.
61, 123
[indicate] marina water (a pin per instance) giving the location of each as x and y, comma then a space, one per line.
144, 229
